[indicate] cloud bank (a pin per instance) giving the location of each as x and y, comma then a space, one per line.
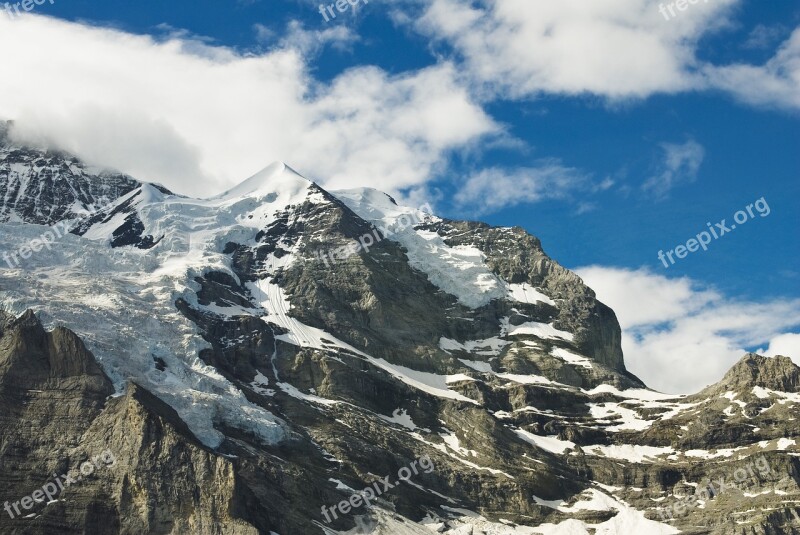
615, 49
680, 336
200, 118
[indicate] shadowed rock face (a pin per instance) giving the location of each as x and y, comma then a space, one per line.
46, 187
371, 366
518, 257
150, 474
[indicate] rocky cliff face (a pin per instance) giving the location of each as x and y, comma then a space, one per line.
253, 361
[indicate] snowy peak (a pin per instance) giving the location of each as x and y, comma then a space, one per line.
152, 215
277, 179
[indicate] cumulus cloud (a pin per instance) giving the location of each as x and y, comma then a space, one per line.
310, 41
680, 336
616, 49
787, 345
775, 84
681, 163
200, 118
762, 36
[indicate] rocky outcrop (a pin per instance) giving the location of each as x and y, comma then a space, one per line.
753, 370
134, 465
518, 257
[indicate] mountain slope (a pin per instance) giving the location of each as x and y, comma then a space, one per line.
293, 339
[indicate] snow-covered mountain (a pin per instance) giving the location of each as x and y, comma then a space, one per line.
267, 353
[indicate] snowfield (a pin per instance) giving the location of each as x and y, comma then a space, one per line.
121, 301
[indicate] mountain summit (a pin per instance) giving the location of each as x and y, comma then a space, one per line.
273, 179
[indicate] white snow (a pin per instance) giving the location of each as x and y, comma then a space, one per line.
487, 347
570, 357
629, 452
706, 454
483, 367
73, 285
460, 271
454, 444
457, 454
526, 379
277, 183
764, 393
525, 293
541, 330
400, 417
761, 393
627, 520
632, 393
550, 443
457, 378
630, 418
259, 383
311, 398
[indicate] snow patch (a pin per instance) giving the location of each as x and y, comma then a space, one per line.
400, 417
552, 444
534, 328
525, 293
571, 358
629, 452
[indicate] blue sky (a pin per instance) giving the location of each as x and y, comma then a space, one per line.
604, 129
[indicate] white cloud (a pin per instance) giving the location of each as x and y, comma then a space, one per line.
617, 49
787, 345
492, 189
311, 41
774, 84
614, 48
199, 118
680, 336
762, 36
681, 164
